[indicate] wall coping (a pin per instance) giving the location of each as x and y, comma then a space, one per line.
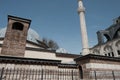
98, 57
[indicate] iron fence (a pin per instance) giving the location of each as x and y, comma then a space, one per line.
38, 74
102, 75
49, 74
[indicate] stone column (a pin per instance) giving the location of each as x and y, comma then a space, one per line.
81, 12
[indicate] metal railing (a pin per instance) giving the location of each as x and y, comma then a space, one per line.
38, 74
51, 74
102, 75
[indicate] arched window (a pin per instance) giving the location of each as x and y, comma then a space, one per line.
17, 26
108, 48
106, 38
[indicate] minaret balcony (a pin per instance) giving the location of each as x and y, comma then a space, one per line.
81, 9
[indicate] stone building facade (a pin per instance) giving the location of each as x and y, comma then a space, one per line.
99, 67
108, 41
39, 63
16, 68
23, 58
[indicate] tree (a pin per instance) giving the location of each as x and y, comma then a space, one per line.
50, 43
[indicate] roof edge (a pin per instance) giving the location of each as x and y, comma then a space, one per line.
100, 57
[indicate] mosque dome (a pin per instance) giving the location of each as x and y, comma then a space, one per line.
61, 50
32, 36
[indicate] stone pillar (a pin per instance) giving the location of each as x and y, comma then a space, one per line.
81, 12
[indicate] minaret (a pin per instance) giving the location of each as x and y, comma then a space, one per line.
81, 12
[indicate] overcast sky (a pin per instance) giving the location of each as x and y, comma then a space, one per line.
58, 19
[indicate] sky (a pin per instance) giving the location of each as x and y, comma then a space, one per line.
58, 19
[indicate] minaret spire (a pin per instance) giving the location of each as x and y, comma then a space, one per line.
81, 12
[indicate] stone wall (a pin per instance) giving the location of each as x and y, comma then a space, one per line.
15, 68
96, 64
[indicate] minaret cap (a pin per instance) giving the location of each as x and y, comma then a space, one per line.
81, 7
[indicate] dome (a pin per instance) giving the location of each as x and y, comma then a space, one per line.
32, 35
61, 50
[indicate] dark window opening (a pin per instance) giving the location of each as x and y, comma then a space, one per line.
106, 38
105, 54
17, 26
108, 54
112, 54
117, 21
118, 52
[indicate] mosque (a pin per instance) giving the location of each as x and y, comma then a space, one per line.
34, 49
20, 50
22, 57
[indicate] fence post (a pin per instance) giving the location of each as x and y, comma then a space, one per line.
1, 73
72, 74
95, 75
42, 75
113, 75
58, 74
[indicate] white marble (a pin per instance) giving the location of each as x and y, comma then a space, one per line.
81, 11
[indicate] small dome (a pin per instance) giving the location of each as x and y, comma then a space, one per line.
32, 36
61, 50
